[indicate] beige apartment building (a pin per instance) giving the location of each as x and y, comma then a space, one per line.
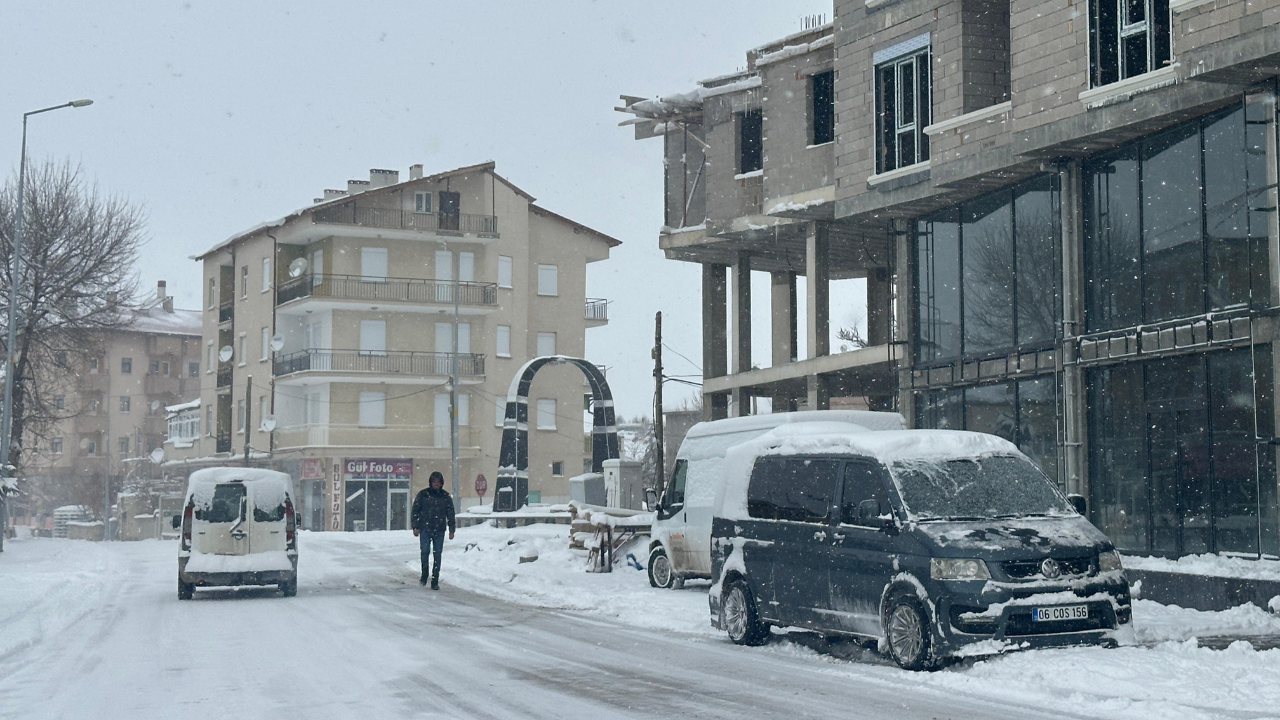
337, 323
115, 407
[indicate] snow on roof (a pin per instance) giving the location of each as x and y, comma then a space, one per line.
191, 405
789, 51
155, 319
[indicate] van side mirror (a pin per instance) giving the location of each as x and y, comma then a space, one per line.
177, 521
1078, 502
651, 498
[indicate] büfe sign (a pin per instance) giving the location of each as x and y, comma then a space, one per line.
379, 469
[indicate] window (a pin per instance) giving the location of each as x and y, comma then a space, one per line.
266, 343
125, 403
822, 108
242, 341
164, 368
546, 413
55, 446
466, 267
548, 280
153, 367
546, 343
266, 274
240, 416
422, 202
126, 366
193, 369
504, 271
502, 336
792, 488
263, 409
213, 357
225, 506
59, 402
750, 140
123, 446
903, 110
93, 366
373, 264
441, 423
673, 496
557, 468
373, 337
1128, 38
244, 281
464, 409
213, 293
91, 447
373, 409
317, 267
862, 481
208, 420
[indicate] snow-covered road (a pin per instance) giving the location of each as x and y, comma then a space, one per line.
91, 630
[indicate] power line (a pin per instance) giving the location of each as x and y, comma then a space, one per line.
686, 359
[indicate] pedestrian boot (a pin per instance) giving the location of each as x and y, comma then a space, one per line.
435, 583
422, 580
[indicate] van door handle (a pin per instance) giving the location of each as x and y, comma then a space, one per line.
820, 535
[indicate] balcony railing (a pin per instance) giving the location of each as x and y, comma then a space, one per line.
224, 375
224, 441
363, 287
417, 436
395, 219
389, 362
226, 311
597, 309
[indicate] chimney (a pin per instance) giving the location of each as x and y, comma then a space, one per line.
357, 186
168, 305
415, 172
331, 194
381, 178
160, 290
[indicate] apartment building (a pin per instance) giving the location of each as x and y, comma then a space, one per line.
337, 323
1066, 215
115, 406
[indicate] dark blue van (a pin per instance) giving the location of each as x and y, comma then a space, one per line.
933, 542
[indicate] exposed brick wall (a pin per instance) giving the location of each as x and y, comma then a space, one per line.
790, 166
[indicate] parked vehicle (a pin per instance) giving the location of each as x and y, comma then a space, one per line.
238, 528
680, 547
932, 542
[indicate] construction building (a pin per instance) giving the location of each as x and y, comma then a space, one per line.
1066, 216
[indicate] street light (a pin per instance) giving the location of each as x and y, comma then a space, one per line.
15, 273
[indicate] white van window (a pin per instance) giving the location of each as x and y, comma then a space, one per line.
225, 506
268, 514
796, 489
675, 491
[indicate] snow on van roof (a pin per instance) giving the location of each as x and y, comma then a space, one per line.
866, 418
269, 486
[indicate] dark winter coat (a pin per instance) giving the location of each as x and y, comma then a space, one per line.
432, 510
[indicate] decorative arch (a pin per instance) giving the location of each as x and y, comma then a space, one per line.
511, 489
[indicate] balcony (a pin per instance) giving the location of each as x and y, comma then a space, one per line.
389, 362
224, 376
162, 385
224, 441
368, 289
356, 214
597, 310
356, 436
226, 311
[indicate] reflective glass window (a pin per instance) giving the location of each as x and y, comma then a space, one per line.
938, 288
990, 409
1037, 423
1113, 244
1118, 456
1171, 224
987, 233
1035, 238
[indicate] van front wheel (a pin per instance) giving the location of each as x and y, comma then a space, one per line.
907, 630
739, 617
660, 573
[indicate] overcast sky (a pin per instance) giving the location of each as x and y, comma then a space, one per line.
216, 116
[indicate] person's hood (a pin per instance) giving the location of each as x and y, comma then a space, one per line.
1013, 538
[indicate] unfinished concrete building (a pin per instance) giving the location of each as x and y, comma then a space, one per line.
1066, 215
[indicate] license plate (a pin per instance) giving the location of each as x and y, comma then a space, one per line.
1063, 612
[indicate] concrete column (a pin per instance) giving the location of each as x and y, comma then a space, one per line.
783, 317
819, 397
714, 342
902, 331
1074, 472
817, 291
740, 311
879, 305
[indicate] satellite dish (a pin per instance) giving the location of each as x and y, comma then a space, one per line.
84, 443
226, 353
268, 423
157, 455
155, 405
297, 267
277, 342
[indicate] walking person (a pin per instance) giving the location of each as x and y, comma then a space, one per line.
432, 514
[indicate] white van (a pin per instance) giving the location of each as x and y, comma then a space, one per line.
238, 528
680, 546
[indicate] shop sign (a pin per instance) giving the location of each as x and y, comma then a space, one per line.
380, 469
335, 503
313, 468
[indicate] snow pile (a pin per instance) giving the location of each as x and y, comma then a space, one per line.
1212, 565
1162, 623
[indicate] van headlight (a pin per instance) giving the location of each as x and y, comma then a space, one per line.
958, 569
1109, 560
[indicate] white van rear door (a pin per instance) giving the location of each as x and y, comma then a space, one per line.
267, 518
222, 527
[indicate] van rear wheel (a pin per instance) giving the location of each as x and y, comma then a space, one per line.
186, 591
290, 587
739, 617
660, 572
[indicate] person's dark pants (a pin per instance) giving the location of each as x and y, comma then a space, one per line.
431, 541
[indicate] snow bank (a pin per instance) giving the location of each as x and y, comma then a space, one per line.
1212, 565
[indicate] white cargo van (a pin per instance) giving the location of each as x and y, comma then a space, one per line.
238, 528
680, 547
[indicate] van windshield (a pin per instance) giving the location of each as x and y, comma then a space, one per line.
976, 488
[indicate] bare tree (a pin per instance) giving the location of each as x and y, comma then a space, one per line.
77, 281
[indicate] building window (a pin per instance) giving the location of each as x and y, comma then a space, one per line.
750, 141
317, 267
240, 416
464, 409
125, 403
90, 447
243, 342
504, 271
244, 281
123, 446
266, 274
422, 202
1128, 38
466, 267
55, 446
266, 343
546, 344
373, 409
262, 409
903, 110
822, 108
153, 367
213, 357
126, 366
193, 369
213, 293
93, 366
503, 341
208, 420
164, 368
557, 468
1174, 224
548, 280
59, 402
546, 413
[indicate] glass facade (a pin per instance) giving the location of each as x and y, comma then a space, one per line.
986, 274
1169, 228
1179, 460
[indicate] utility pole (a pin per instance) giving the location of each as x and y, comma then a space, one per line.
106, 483
248, 416
660, 481
453, 401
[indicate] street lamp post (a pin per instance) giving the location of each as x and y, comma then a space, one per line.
15, 274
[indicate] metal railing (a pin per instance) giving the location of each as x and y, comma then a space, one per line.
417, 436
224, 375
363, 287
395, 219
226, 311
597, 309
388, 362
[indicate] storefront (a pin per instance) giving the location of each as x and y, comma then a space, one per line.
376, 492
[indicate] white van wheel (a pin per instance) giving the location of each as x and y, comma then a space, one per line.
290, 588
660, 573
186, 591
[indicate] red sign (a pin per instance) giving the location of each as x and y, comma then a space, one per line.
481, 485
313, 468
379, 469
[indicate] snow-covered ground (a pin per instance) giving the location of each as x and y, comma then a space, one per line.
84, 625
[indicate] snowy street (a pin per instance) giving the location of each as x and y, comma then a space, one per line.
97, 630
